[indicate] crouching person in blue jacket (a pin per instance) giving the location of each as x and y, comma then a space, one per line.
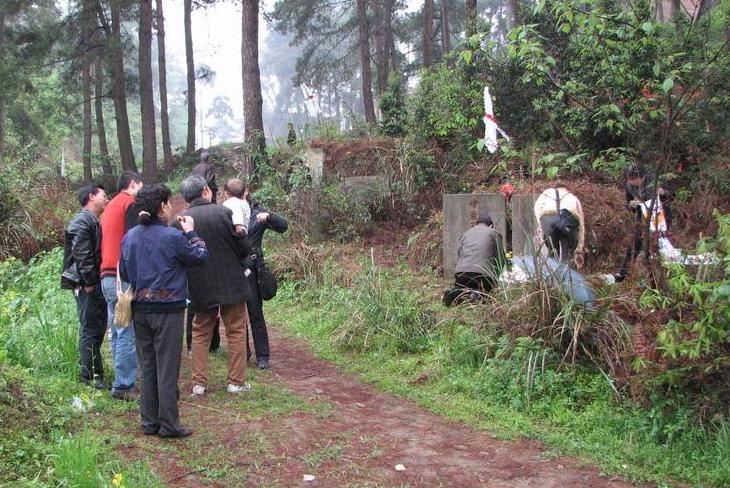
154, 261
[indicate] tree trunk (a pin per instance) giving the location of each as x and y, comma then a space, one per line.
445, 31
252, 100
146, 94
106, 165
367, 83
86, 154
119, 91
381, 58
384, 47
190, 145
162, 68
512, 13
427, 33
471, 17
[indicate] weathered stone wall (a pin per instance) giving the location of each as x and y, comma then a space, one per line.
523, 224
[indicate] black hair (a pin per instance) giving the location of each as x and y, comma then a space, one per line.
127, 178
634, 170
87, 191
149, 199
484, 219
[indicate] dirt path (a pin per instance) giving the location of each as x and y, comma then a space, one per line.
304, 417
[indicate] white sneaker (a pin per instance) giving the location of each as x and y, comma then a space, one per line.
236, 389
198, 390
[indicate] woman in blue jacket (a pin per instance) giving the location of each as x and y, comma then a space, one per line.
154, 260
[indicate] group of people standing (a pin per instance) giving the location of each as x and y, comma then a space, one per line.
199, 261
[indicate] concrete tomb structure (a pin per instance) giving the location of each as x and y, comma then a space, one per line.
523, 224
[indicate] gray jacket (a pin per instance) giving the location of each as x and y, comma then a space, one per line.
480, 251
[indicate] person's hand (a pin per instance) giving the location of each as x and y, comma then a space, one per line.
262, 217
89, 289
579, 260
186, 223
633, 204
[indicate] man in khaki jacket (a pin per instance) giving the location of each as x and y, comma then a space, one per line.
480, 259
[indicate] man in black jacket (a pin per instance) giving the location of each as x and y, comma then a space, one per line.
81, 264
261, 219
217, 287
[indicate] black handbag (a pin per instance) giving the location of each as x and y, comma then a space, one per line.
266, 280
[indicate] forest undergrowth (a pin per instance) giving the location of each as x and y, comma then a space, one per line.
496, 366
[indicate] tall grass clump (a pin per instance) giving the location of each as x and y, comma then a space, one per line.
386, 315
38, 321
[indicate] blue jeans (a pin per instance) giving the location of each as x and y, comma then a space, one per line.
124, 355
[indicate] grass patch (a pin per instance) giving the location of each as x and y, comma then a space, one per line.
482, 378
44, 440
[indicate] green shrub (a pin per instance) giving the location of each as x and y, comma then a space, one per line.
392, 107
444, 108
343, 217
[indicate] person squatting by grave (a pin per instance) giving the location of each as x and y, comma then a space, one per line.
560, 225
480, 260
81, 263
119, 216
154, 261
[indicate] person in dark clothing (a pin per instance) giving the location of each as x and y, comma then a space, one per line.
639, 188
81, 264
479, 262
261, 220
154, 261
217, 288
206, 169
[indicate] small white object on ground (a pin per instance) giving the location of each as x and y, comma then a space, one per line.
81, 405
400, 467
308, 477
609, 279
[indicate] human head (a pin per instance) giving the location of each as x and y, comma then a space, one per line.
485, 218
634, 174
130, 181
204, 156
153, 201
193, 187
235, 188
93, 197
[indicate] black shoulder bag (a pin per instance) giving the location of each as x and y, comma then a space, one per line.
266, 280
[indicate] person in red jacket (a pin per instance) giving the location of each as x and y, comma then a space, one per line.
118, 217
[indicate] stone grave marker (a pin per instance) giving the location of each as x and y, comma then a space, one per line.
523, 223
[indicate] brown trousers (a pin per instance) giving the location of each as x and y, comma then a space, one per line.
235, 319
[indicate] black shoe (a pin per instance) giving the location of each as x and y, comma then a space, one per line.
181, 432
263, 363
125, 395
150, 430
96, 383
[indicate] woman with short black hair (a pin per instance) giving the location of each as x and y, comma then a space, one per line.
155, 258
